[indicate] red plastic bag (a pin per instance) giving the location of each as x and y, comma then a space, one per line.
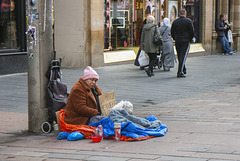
86, 130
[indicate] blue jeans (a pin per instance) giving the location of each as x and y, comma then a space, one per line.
225, 44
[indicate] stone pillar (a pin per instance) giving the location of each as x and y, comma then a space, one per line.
78, 34
40, 49
224, 7
69, 34
207, 9
97, 33
236, 24
230, 18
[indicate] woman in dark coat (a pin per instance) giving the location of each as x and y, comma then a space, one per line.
147, 44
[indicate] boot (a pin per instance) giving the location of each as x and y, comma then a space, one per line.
148, 72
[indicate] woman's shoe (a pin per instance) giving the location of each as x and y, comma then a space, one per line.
181, 75
148, 72
184, 71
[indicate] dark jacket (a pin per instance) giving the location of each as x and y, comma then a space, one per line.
182, 29
147, 37
228, 28
81, 104
219, 27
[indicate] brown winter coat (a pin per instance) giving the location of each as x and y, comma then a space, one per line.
81, 104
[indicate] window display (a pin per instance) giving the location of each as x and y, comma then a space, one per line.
118, 24
8, 29
172, 10
124, 19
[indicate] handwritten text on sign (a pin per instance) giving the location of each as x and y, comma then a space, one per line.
107, 101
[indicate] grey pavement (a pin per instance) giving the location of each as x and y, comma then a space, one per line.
201, 111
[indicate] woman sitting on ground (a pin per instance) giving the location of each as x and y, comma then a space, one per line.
83, 103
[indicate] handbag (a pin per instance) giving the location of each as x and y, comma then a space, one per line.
156, 39
143, 59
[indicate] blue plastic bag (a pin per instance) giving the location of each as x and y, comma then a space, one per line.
75, 136
63, 135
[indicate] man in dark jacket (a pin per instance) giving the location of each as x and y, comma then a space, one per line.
182, 32
220, 29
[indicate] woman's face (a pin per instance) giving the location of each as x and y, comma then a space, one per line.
91, 82
225, 18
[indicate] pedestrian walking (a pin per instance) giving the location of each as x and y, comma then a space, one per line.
220, 29
147, 13
147, 44
168, 54
182, 32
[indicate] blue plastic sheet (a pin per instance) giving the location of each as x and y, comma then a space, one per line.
129, 129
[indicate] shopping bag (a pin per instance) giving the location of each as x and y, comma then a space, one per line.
143, 59
230, 38
63, 135
74, 136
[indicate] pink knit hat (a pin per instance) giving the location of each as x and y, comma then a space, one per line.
89, 72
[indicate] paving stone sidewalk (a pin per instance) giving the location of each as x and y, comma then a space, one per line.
201, 112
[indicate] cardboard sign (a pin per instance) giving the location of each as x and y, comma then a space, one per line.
107, 101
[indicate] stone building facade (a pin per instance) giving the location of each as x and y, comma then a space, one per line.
87, 32
232, 9
81, 28
78, 32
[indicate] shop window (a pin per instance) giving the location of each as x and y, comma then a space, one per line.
8, 28
121, 20
173, 8
118, 24
124, 19
192, 8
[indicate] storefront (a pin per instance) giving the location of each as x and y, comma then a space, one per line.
108, 31
12, 36
123, 19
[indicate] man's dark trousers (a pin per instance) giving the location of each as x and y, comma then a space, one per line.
182, 48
